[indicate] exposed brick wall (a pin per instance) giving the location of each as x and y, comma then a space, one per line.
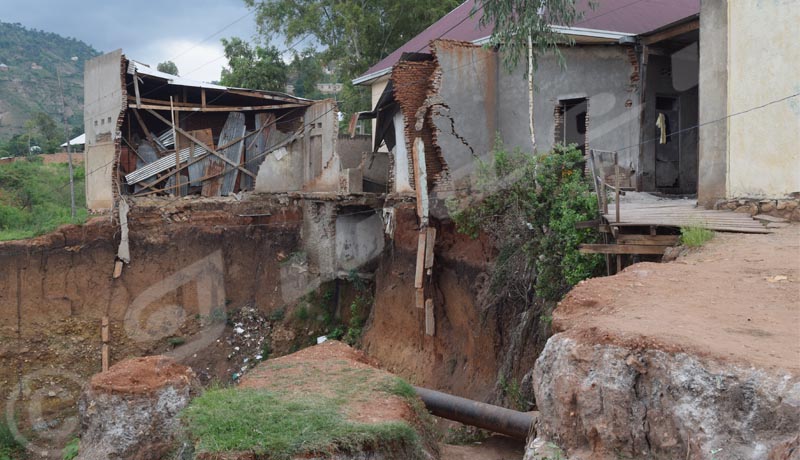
412, 85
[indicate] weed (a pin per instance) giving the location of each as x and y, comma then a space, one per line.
301, 314
336, 333
464, 435
511, 390
695, 236
176, 341
277, 315
10, 448
70, 451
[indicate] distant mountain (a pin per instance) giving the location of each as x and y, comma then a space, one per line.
28, 79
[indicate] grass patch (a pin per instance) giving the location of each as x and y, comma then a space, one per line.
10, 448
34, 198
265, 423
695, 236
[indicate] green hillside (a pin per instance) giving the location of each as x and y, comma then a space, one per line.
29, 84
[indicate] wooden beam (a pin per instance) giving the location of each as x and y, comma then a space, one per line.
419, 276
136, 87
147, 132
649, 240
672, 32
268, 97
430, 242
201, 144
621, 249
197, 108
430, 318
203, 97
587, 224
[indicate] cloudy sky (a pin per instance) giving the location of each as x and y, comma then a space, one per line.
149, 31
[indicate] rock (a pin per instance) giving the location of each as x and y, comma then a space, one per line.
768, 206
792, 205
131, 411
600, 400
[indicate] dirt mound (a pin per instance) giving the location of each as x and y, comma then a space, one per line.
328, 363
736, 299
142, 375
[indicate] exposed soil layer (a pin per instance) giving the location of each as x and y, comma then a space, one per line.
142, 375
476, 342
736, 299
494, 448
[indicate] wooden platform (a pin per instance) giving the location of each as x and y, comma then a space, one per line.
681, 213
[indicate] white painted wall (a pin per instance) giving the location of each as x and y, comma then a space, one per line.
763, 65
102, 95
402, 182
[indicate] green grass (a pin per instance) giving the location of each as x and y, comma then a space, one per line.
34, 198
280, 424
71, 450
10, 448
695, 236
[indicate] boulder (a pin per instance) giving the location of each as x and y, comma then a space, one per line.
131, 411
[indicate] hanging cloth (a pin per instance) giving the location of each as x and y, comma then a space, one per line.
661, 123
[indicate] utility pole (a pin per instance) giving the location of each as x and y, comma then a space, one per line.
69, 147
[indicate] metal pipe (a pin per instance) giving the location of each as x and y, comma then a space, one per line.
493, 418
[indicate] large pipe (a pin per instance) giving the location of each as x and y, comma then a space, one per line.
493, 418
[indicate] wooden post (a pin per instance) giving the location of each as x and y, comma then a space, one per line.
177, 191
616, 185
104, 335
420, 269
203, 98
430, 319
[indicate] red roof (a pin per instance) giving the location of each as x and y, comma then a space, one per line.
622, 16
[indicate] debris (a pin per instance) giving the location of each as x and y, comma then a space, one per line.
777, 278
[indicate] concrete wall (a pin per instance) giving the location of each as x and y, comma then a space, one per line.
359, 240
103, 104
763, 66
713, 142
602, 74
466, 121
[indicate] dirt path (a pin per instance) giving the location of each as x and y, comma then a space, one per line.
736, 299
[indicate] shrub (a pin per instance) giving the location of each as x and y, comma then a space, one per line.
529, 205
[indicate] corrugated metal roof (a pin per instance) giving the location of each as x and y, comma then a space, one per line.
144, 69
618, 16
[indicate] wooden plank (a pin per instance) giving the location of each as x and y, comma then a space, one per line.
269, 97
136, 88
620, 249
672, 32
196, 141
212, 187
197, 168
256, 146
651, 240
176, 177
420, 298
105, 336
430, 242
117, 269
430, 318
420, 271
202, 98
234, 128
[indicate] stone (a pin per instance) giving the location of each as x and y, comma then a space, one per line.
781, 205
767, 207
792, 205
606, 401
130, 412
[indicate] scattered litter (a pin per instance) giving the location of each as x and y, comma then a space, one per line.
238, 330
777, 278
322, 339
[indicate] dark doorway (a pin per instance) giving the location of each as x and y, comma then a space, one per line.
574, 122
668, 146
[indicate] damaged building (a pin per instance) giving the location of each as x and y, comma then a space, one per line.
151, 133
633, 87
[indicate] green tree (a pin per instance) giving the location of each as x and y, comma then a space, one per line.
168, 67
253, 67
306, 71
353, 34
44, 132
522, 28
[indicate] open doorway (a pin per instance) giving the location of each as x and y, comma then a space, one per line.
573, 122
